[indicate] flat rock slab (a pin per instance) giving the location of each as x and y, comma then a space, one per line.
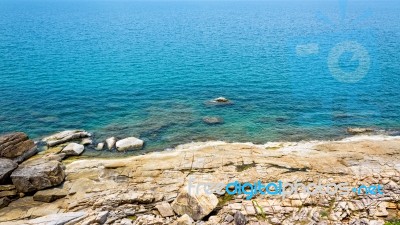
130, 143
38, 175
49, 195
54, 219
65, 136
73, 149
6, 168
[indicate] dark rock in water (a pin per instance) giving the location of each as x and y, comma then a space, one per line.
239, 218
359, 130
37, 175
4, 202
65, 136
213, 120
219, 101
7, 166
17, 146
49, 195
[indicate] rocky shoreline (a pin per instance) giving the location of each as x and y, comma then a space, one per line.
54, 186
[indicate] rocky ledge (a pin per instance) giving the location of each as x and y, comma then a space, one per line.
152, 188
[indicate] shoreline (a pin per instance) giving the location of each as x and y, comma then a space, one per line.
150, 188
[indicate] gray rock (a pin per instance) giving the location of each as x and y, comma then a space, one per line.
130, 143
57, 219
196, 205
213, 120
4, 202
6, 168
65, 136
73, 149
37, 175
16, 146
239, 218
86, 141
101, 218
49, 195
111, 142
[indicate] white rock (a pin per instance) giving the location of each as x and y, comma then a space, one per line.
130, 143
184, 220
100, 146
73, 149
65, 136
111, 142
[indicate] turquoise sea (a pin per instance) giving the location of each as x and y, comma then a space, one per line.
148, 68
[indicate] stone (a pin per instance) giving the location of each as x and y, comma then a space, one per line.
239, 218
7, 187
111, 142
101, 218
196, 205
57, 219
11, 193
4, 202
17, 146
65, 136
73, 149
130, 143
221, 99
184, 220
213, 120
165, 210
354, 131
126, 221
86, 141
100, 146
37, 175
49, 195
228, 218
6, 168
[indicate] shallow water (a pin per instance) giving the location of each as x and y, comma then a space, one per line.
147, 69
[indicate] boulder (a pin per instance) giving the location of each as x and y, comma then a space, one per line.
65, 136
130, 143
213, 120
100, 146
355, 131
6, 168
239, 218
37, 175
197, 205
111, 142
17, 146
184, 220
49, 195
165, 209
86, 141
4, 202
73, 149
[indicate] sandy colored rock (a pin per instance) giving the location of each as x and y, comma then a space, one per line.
65, 136
49, 195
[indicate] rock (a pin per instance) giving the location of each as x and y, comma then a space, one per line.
49, 195
239, 218
17, 146
73, 149
37, 175
354, 131
86, 141
6, 168
213, 120
130, 143
100, 146
7, 187
184, 220
196, 205
221, 99
57, 219
228, 218
126, 221
111, 142
165, 209
65, 136
4, 202
11, 193
101, 218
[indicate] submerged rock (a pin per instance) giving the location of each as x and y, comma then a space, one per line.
73, 149
196, 205
65, 136
213, 120
17, 146
6, 168
359, 130
111, 142
221, 99
130, 143
37, 175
